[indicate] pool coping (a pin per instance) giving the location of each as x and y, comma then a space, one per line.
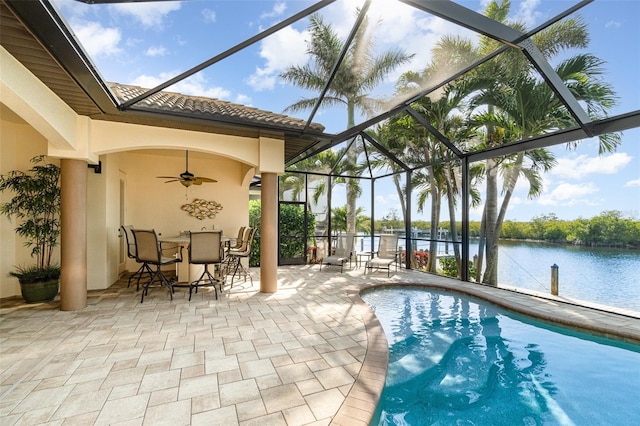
362, 400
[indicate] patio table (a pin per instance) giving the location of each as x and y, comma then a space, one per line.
366, 254
184, 271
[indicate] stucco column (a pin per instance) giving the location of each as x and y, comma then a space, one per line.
269, 233
73, 235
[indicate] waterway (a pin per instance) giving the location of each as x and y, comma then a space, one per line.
601, 275
606, 276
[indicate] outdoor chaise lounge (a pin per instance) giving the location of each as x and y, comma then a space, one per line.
386, 255
343, 251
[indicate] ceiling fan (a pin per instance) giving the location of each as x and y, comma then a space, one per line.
187, 178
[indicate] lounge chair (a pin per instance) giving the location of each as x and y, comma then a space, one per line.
386, 255
343, 251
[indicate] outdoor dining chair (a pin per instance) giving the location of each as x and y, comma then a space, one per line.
149, 253
205, 248
386, 255
244, 252
127, 230
237, 242
343, 251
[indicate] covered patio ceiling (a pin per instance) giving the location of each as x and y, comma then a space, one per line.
45, 37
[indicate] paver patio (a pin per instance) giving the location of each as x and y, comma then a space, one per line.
310, 354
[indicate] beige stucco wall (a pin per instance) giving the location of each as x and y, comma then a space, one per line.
29, 98
153, 204
19, 143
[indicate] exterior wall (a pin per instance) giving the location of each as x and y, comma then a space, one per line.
106, 137
271, 155
36, 103
100, 272
153, 204
18, 144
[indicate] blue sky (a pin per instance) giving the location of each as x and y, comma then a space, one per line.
147, 43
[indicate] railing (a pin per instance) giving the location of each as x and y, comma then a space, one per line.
319, 246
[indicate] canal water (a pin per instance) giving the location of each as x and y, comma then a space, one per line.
600, 275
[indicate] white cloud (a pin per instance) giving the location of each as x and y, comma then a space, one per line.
98, 40
283, 49
277, 10
632, 183
380, 199
527, 13
243, 100
72, 7
261, 80
209, 15
156, 51
514, 201
567, 194
148, 81
195, 85
583, 165
148, 14
613, 24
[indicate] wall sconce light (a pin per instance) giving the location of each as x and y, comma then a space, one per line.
97, 168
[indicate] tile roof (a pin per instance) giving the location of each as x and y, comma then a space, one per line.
207, 108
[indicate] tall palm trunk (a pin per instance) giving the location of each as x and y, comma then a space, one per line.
449, 175
435, 215
352, 184
491, 213
511, 184
491, 275
401, 196
481, 245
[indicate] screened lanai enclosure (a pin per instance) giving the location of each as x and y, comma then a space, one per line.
480, 119
440, 121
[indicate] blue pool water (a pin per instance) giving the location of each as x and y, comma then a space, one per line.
456, 360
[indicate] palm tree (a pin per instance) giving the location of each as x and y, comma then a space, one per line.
322, 164
339, 219
521, 106
440, 109
359, 73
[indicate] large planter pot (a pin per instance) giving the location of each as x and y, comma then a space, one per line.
40, 291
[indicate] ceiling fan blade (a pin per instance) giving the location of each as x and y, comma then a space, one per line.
187, 178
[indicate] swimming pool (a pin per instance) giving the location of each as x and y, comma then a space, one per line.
457, 360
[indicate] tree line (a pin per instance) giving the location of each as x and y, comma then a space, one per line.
608, 229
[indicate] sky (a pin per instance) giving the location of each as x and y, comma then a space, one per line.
146, 43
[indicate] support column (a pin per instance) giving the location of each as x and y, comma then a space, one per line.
73, 235
269, 233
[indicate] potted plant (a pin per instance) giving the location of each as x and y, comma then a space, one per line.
36, 207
